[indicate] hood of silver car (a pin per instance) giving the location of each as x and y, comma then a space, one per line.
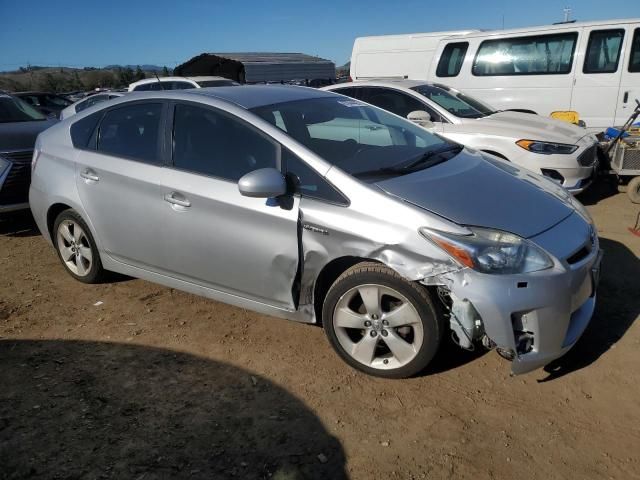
22, 135
470, 189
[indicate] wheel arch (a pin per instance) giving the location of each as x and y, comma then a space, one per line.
329, 274
52, 213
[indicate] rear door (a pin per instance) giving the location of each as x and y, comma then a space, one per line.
119, 181
630, 83
598, 74
216, 237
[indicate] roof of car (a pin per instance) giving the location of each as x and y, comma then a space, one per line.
391, 82
251, 96
175, 79
35, 92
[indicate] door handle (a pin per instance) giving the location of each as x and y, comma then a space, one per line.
176, 198
625, 99
89, 174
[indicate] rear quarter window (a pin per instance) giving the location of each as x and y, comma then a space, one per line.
82, 131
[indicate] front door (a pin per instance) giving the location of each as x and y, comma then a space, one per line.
216, 237
597, 78
630, 84
120, 185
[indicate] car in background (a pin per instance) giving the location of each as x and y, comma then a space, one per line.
565, 153
87, 102
267, 198
180, 83
51, 104
20, 124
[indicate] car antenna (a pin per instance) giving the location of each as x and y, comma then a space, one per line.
158, 78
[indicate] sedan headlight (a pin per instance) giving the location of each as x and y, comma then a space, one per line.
491, 251
546, 148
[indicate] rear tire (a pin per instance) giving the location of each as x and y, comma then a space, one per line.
76, 248
380, 323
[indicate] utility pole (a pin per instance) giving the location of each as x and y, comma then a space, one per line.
567, 14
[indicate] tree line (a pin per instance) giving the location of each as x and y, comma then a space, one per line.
67, 79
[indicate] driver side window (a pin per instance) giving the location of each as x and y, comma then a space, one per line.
396, 102
213, 143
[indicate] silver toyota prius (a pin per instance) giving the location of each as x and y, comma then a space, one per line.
313, 206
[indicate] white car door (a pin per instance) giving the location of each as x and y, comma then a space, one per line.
630, 83
598, 74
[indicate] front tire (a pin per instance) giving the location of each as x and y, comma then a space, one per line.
633, 190
380, 323
76, 248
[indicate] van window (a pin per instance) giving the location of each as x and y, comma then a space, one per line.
603, 51
634, 62
451, 60
539, 55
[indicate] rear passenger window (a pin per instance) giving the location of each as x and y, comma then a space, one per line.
132, 132
209, 142
603, 51
451, 60
634, 62
82, 130
539, 55
309, 183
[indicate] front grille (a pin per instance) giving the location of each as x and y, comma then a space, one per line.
579, 255
19, 156
589, 156
15, 188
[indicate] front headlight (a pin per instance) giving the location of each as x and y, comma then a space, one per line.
491, 251
546, 148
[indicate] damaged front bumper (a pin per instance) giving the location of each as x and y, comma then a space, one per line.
531, 318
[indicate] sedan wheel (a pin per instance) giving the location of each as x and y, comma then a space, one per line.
378, 326
380, 323
76, 247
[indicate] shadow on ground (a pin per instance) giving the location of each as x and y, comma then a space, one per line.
99, 410
19, 224
603, 187
617, 307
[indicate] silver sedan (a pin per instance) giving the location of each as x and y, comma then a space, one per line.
311, 206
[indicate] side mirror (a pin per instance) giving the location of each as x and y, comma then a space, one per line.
420, 117
263, 183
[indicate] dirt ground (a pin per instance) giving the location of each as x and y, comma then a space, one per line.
132, 380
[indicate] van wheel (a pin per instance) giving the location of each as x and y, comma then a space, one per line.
77, 248
633, 190
380, 323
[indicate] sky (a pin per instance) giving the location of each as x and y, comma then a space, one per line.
79, 33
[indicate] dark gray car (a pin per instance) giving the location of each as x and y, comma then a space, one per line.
319, 208
20, 124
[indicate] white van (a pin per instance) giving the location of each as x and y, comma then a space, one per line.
592, 68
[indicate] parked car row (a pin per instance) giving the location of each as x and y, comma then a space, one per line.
558, 150
320, 208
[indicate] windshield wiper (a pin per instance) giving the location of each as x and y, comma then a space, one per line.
426, 160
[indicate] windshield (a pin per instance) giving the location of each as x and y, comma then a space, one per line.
455, 102
217, 83
13, 109
352, 135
